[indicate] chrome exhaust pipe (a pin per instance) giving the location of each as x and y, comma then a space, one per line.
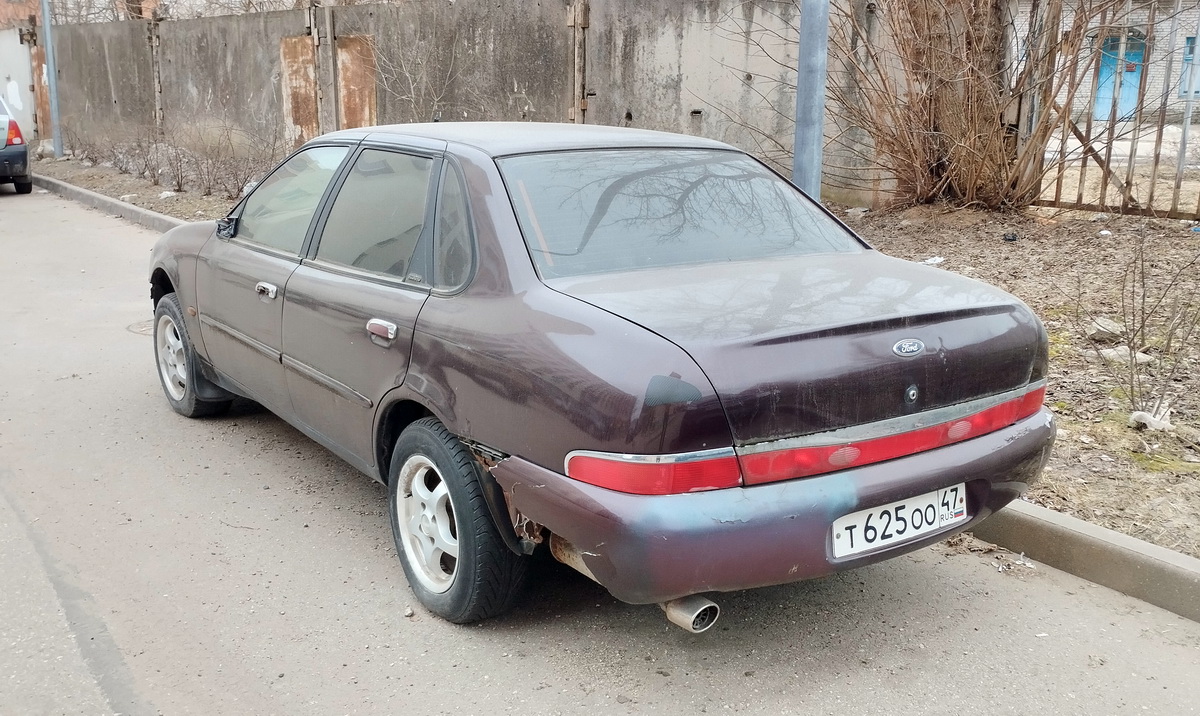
695, 613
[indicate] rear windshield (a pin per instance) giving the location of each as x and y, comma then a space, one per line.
600, 211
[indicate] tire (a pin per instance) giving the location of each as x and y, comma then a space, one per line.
453, 556
23, 187
177, 362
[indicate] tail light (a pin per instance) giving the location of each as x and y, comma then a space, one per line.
815, 459
656, 474
816, 455
14, 134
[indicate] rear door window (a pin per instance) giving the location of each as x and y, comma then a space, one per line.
277, 214
379, 215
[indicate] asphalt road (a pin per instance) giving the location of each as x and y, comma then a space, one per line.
150, 563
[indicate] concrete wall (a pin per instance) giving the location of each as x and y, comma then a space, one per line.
227, 71
16, 80
723, 69
506, 59
105, 76
718, 68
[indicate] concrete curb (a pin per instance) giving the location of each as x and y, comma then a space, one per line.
1142, 570
136, 214
1148, 572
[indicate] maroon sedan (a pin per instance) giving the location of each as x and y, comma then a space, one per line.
644, 352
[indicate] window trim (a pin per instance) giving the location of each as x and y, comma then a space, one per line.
361, 275
308, 256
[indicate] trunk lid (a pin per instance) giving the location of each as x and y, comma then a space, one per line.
804, 345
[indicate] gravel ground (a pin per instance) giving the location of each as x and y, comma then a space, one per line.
1064, 265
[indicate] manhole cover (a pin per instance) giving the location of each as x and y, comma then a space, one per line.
142, 328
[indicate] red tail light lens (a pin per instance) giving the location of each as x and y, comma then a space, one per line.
723, 468
656, 474
787, 464
14, 134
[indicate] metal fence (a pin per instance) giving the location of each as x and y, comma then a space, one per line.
1125, 142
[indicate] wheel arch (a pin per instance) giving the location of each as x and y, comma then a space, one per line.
160, 285
393, 419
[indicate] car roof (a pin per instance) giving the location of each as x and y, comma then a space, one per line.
506, 138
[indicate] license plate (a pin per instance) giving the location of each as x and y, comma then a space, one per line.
868, 530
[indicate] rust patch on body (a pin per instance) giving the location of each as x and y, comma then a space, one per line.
299, 62
355, 81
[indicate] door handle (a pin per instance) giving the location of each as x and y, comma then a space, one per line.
381, 328
266, 290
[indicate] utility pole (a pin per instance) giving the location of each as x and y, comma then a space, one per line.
46, 39
811, 68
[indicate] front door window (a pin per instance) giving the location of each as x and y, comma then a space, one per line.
279, 211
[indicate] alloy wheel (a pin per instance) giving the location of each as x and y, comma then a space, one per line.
172, 359
425, 514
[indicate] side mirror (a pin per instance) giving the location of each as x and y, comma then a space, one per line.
227, 227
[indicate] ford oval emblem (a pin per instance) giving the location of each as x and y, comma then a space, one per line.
908, 348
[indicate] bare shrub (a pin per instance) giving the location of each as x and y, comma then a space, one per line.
1159, 316
176, 160
252, 157
951, 100
112, 151
222, 158
431, 79
143, 153
79, 143
942, 65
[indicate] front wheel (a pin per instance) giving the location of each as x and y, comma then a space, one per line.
456, 563
178, 370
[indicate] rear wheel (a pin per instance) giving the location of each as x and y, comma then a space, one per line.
178, 370
453, 556
23, 187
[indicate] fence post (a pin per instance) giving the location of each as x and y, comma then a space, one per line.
579, 19
323, 37
52, 75
156, 73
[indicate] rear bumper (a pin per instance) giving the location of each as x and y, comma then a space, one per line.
14, 164
647, 549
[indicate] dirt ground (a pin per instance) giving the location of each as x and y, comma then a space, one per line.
186, 205
1145, 484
